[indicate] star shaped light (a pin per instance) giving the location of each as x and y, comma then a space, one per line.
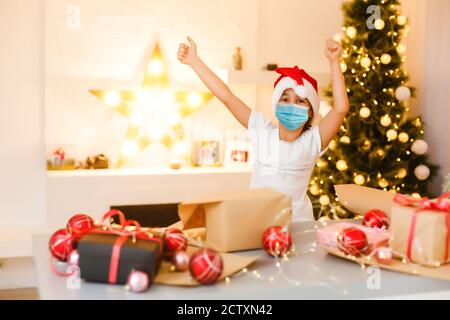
153, 111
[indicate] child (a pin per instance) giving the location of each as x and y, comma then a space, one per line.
285, 153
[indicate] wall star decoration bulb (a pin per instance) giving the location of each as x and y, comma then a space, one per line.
364, 112
351, 32
366, 62
129, 148
379, 24
341, 165
153, 110
386, 58
112, 98
385, 120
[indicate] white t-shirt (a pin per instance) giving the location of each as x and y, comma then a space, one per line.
284, 166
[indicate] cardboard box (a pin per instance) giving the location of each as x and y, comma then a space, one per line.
236, 220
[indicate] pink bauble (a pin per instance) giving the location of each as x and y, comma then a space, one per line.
181, 260
138, 281
384, 255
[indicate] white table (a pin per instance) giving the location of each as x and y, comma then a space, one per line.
321, 276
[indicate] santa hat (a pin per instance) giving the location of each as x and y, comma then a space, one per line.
302, 83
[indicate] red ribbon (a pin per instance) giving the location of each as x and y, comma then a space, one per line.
440, 205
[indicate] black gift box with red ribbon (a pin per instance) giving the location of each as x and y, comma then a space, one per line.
110, 258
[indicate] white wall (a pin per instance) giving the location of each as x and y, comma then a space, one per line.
429, 67
22, 162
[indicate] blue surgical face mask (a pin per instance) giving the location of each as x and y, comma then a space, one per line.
292, 116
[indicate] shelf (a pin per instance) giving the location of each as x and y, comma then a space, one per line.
157, 171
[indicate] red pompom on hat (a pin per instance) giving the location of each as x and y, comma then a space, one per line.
301, 82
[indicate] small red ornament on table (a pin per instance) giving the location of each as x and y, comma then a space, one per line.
80, 224
206, 266
375, 218
353, 241
174, 240
276, 241
61, 244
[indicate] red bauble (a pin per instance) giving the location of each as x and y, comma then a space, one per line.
80, 224
61, 244
206, 266
353, 241
376, 219
174, 240
276, 241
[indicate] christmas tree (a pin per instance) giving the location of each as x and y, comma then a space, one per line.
378, 145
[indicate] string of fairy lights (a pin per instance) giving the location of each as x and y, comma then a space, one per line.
356, 54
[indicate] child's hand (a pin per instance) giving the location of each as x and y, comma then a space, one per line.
333, 49
187, 54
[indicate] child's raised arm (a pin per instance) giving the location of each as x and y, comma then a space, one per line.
188, 55
330, 124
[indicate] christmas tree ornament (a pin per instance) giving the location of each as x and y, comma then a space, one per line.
61, 244
341, 165
343, 67
422, 172
80, 224
376, 218
401, 173
403, 137
276, 241
73, 258
366, 62
180, 260
384, 255
401, 49
353, 241
401, 20
402, 93
385, 120
383, 183
364, 112
324, 200
386, 58
359, 179
314, 189
419, 147
391, 134
174, 240
351, 32
379, 24
138, 281
206, 266
345, 140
